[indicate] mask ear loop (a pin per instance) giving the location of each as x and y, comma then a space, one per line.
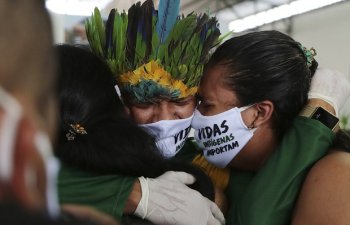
117, 89
251, 127
8, 130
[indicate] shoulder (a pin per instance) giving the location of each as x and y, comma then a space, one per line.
335, 165
331, 173
325, 194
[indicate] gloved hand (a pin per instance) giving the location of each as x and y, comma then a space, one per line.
330, 86
167, 200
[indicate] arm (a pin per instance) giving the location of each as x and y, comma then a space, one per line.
133, 199
83, 213
107, 193
325, 195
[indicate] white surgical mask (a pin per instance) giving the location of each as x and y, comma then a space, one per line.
52, 166
8, 131
170, 135
221, 136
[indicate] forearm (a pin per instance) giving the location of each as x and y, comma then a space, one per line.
133, 199
321, 111
315, 102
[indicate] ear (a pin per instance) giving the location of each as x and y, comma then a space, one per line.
264, 112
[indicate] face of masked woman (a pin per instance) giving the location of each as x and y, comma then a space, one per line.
220, 129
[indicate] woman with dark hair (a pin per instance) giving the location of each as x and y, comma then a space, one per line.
103, 153
92, 118
251, 93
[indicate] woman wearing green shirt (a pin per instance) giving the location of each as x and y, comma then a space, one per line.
251, 93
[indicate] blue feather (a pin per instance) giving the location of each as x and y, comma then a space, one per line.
168, 11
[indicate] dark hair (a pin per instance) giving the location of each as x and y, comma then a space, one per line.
342, 141
88, 98
267, 65
113, 144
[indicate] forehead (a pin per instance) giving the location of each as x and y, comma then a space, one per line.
214, 88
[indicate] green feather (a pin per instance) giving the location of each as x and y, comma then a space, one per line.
120, 25
182, 54
140, 50
100, 27
155, 38
95, 33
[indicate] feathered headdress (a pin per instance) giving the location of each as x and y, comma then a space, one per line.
154, 52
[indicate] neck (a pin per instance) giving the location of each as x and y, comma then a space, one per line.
257, 151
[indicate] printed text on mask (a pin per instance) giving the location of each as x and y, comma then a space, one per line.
208, 132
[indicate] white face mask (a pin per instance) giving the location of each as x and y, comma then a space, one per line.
170, 135
8, 131
52, 166
221, 136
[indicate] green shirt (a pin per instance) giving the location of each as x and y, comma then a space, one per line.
268, 197
107, 193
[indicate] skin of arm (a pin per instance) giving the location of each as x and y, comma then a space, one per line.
325, 195
320, 103
86, 213
134, 198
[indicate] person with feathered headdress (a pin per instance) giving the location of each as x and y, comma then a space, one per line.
108, 161
157, 57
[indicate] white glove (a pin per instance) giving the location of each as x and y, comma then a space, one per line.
167, 200
330, 86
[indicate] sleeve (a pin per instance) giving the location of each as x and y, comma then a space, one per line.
107, 193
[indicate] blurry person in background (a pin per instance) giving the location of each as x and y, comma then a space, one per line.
28, 120
27, 104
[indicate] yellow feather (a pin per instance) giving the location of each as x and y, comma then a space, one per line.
155, 72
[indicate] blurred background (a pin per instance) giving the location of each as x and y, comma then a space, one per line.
322, 24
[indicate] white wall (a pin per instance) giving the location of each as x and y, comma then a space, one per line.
328, 31
57, 27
